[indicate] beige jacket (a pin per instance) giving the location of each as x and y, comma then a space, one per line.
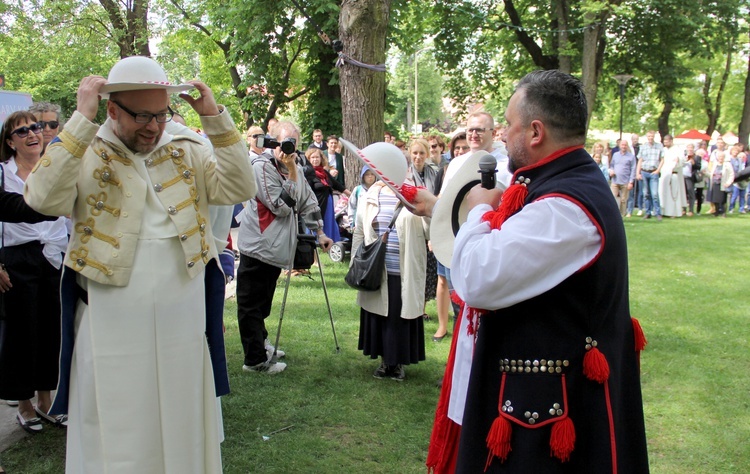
88, 173
412, 233
727, 174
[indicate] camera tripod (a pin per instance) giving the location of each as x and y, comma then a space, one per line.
274, 357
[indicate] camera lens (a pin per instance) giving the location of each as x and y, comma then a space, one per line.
288, 147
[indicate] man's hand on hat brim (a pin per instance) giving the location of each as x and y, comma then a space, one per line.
88, 96
205, 105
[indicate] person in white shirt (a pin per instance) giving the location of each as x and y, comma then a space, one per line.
546, 359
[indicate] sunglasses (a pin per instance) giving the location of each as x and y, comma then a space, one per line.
52, 124
23, 132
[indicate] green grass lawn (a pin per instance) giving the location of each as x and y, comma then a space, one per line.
689, 288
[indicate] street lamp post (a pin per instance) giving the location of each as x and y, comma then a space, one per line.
622, 79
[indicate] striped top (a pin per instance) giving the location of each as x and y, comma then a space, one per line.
386, 205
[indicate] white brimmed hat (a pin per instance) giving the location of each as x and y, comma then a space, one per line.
139, 73
450, 210
386, 161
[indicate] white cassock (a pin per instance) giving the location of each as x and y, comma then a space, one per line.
142, 395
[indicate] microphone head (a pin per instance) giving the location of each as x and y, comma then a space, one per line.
487, 163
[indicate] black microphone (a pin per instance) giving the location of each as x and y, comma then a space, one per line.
487, 165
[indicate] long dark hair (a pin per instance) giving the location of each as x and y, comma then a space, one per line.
10, 124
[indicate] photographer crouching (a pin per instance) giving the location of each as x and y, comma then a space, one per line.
267, 239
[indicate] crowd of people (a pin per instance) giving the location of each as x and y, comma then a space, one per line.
146, 205
663, 179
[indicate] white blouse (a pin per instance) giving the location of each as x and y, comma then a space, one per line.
53, 234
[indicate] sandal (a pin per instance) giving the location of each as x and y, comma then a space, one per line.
32, 426
61, 421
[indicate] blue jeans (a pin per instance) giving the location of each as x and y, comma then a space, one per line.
737, 194
635, 198
651, 193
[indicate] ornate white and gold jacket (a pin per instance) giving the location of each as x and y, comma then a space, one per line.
88, 173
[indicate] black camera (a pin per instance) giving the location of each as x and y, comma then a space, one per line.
288, 145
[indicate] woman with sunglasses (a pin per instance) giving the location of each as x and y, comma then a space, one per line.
48, 117
32, 255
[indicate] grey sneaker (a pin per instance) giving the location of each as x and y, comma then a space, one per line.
269, 351
398, 373
265, 367
381, 372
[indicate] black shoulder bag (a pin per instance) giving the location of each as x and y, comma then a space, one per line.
367, 265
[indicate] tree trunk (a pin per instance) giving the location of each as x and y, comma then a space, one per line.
594, 46
663, 121
723, 83
362, 29
744, 131
588, 66
129, 28
562, 37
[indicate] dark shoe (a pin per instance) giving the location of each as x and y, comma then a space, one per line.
398, 373
439, 338
647, 216
61, 421
381, 372
33, 426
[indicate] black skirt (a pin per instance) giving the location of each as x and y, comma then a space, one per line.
30, 332
716, 195
396, 340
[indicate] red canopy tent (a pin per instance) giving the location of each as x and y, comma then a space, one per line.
694, 134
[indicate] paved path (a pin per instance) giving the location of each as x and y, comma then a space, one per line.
10, 431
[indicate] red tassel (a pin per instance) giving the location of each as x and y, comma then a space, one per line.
595, 366
563, 439
498, 440
409, 192
512, 201
640, 337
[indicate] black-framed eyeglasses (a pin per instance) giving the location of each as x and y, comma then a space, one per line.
478, 131
23, 132
162, 117
52, 124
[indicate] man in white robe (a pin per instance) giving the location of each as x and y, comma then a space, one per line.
139, 388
